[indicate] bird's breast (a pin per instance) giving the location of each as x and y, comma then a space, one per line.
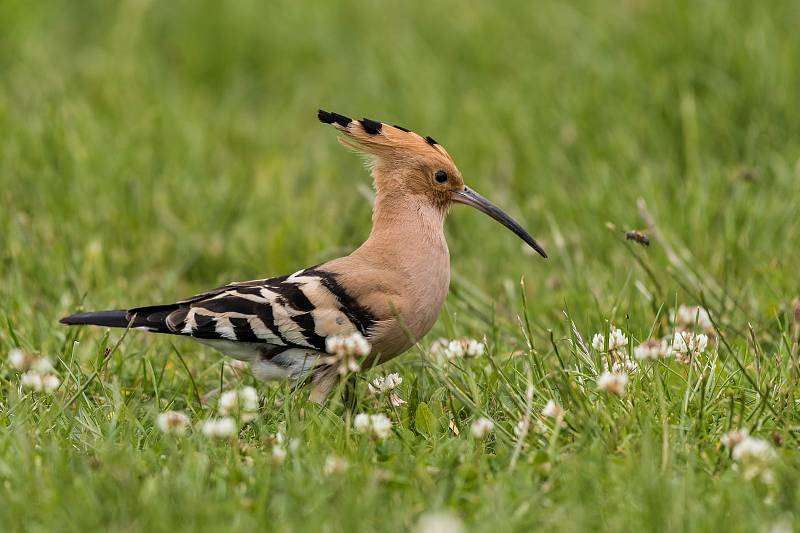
412, 311
401, 274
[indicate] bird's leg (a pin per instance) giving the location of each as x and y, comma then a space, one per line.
322, 384
349, 396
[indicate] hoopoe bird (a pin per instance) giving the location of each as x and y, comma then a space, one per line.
390, 290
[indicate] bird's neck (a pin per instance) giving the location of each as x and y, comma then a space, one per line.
408, 227
407, 239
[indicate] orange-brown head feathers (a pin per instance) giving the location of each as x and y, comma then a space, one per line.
416, 173
402, 162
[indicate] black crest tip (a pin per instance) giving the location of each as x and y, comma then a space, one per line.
371, 126
329, 117
430, 140
401, 128
341, 120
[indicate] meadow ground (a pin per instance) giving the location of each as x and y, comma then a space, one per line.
149, 150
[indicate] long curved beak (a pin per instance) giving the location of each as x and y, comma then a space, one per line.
470, 197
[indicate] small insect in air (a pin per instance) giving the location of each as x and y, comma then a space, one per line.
637, 236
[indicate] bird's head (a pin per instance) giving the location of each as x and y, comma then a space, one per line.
404, 163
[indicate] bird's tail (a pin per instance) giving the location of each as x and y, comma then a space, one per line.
152, 318
111, 319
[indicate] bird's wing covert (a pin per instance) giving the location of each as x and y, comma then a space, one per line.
300, 310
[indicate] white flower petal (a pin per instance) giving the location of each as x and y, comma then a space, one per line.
481, 428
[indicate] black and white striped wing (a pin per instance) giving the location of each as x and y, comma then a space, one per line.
296, 311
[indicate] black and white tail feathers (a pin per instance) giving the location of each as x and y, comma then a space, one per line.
111, 319
150, 318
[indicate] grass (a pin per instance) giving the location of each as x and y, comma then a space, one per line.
151, 150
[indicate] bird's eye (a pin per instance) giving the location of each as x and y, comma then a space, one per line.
440, 176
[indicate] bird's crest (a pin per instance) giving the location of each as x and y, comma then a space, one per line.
382, 140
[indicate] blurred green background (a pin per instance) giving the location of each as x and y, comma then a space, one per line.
153, 148
149, 150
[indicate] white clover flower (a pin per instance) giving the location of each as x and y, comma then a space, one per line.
481, 428
753, 449
219, 428
439, 522
38, 372
619, 366
464, 348
613, 382
361, 422
472, 347
47, 383
18, 359
686, 341
249, 397
755, 456
42, 365
396, 400
598, 342
701, 342
278, 454
278, 437
50, 383
174, 422
377, 426
24, 361
457, 348
553, 410
616, 339
687, 316
734, 437
438, 348
652, 349
345, 351
228, 401
353, 344
687, 346
335, 465
393, 381
381, 426
382, 384
242, 402
386, 385
32, 380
